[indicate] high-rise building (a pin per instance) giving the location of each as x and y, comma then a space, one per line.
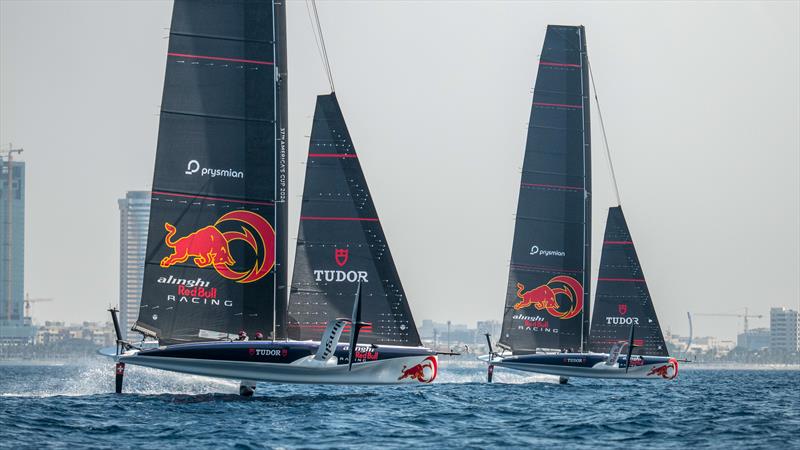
134, 215
784, 330
12, 254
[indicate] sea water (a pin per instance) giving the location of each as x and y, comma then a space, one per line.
72, 405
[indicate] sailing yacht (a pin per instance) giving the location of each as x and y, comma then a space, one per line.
215, 267
546, 326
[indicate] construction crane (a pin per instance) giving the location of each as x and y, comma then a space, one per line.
29, 300
745, 316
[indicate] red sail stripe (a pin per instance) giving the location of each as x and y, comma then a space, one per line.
220, 58
201, 197
553, 186
361, 219
637, 342
555, 64
551, 269
559, 105
344, 330
331, 155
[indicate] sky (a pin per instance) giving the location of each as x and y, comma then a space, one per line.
701, 103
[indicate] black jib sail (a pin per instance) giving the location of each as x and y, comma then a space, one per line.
215, 261
622, 299
547, 298
341, 242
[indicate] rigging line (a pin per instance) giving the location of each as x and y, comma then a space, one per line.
325, 60
603, 128
316, 38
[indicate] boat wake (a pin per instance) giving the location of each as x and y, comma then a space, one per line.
465, 371
96, 376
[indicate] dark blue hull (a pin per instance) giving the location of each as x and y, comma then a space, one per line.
291, 362
590, 365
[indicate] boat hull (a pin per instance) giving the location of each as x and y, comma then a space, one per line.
291, 362
590, 365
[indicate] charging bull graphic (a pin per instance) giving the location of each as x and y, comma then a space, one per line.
668, 371
547, 297
210, 246
207, 246
417, 371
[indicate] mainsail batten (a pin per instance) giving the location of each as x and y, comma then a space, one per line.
622, 299
547, 296
216, 240
341, 243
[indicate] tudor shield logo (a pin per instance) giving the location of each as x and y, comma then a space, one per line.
210, 246
622, 308
341, 255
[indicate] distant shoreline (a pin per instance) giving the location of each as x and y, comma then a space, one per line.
737, 366
691, 366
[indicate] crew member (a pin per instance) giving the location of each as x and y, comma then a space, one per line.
242, 336
259, 336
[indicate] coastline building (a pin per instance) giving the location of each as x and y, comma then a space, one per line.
784, 326
98, 333
13, 328
134, 216
711, 345
426, 330
754, 340
455, 336
493, 327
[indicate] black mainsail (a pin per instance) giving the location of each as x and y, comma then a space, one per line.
622, 299
341, 242
216, 252
547, 298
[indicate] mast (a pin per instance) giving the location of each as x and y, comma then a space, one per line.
281, 105
548, 285
587, 170
215, 260
276, 180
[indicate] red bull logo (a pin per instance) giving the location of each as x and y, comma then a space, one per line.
547, 296
209, 246
424, 372
668, 371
